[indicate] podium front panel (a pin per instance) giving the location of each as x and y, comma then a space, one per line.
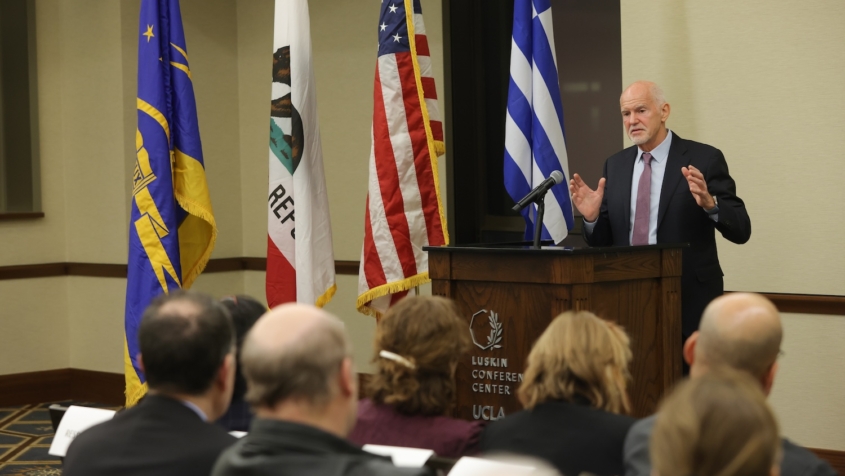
506, 318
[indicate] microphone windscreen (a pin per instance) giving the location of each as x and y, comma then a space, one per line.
557, 176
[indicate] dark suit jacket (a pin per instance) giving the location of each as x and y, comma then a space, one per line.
573, 437
158, 437
280, 448
797, 461
679, 218
383, 425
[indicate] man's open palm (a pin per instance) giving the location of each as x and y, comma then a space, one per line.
585, 199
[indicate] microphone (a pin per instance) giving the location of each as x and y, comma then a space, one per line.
539, 191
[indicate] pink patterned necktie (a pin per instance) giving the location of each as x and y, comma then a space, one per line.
640, 236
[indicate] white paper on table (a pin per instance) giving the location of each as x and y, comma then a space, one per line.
469, 466
401, 456
238, 434
75, 421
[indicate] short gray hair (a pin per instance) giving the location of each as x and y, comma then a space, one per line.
302, 369
657, 94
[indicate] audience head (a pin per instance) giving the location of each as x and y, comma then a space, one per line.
717, 424
579, 357
245, 311
298, 366
187, 345
739, 330
417, 347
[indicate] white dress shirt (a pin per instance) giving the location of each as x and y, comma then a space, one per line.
659, 157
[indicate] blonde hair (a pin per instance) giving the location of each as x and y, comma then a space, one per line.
417, 347
718, 424
579, 356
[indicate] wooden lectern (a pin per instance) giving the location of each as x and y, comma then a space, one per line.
509, 294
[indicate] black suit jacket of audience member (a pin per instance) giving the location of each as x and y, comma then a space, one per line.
796, 461
160, 436
279, 448
573, 437
679, 218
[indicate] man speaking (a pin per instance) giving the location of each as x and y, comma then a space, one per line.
665, 190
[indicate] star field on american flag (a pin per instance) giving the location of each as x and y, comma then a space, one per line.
393, 29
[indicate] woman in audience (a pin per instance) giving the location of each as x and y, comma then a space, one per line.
574, 394
417, 347
245, 311
716, 424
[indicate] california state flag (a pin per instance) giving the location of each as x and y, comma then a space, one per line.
300, 261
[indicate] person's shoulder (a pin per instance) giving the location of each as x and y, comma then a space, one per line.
623, 154
799, 461
457, 425
504, 427
103, 433
226, 461
642, 428
617, 423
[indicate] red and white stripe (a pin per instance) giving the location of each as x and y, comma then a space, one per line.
403, 212
429, 90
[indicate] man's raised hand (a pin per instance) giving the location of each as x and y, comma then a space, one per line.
585, 199
698, 187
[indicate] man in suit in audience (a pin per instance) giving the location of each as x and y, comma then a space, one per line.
187, 353
302, 385
741, 331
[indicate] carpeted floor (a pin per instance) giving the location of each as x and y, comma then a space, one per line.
25, 437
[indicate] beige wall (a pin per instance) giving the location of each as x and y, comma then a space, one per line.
762, 81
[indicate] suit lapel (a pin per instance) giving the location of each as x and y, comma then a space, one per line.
625, 178
672, 176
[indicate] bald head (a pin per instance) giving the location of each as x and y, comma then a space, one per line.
644, 89
294, 351
742, 331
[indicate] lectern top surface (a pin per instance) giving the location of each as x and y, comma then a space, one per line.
547, 247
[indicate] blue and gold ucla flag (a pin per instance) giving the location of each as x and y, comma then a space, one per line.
172, 229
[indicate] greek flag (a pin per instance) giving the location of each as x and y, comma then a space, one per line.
534, 143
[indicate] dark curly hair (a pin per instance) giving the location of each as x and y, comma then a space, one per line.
429, 333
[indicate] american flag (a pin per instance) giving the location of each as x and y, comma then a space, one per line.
404, 212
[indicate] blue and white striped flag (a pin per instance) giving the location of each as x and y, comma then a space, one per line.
534, 143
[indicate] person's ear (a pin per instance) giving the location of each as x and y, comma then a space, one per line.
664, 112
769, 378
689, 348
347, 382
226, 374
140, 359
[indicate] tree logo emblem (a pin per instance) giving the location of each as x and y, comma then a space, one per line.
494, 338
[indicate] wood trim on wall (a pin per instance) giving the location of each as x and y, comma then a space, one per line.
795, 303
114, 270
809, 304
20, 216
835, 458
60, 385
78, 385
